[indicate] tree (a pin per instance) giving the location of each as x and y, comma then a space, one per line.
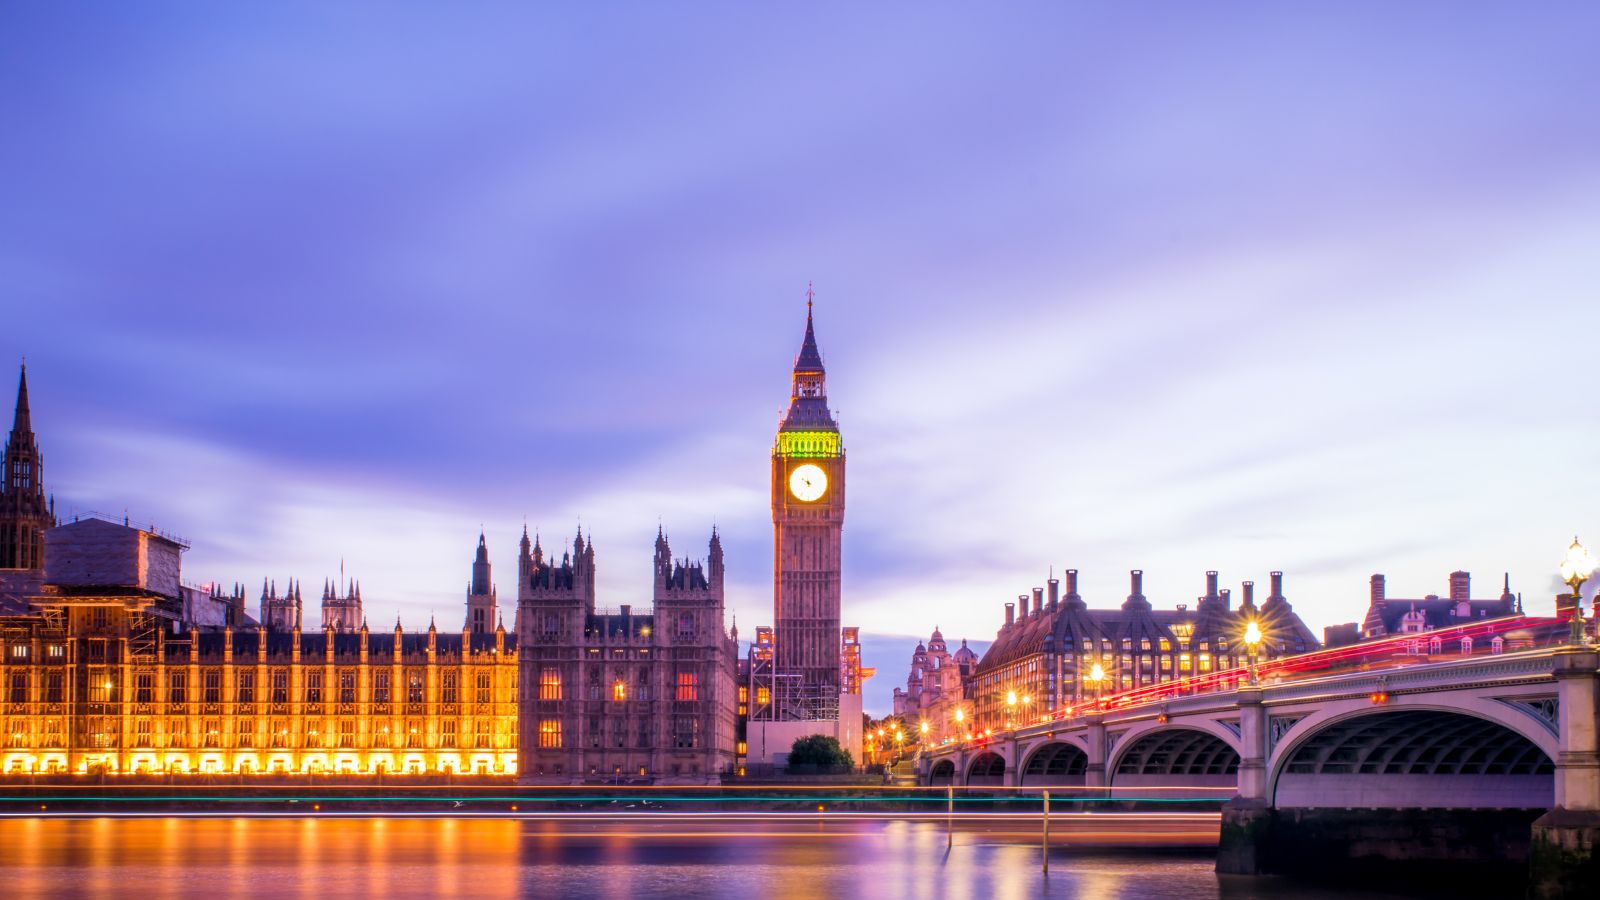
819, 750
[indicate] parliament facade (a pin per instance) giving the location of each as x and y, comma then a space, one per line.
111, 663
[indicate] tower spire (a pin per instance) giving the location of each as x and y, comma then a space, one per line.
23, 423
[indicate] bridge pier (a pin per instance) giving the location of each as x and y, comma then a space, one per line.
1247, 818
1566, 841
1095, 775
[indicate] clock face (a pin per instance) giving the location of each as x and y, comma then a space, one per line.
808, 482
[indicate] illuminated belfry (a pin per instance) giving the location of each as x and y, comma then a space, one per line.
811, 671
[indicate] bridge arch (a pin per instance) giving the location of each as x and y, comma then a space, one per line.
1183, 756
1415, 755
1055, 763
987, 768
942, 773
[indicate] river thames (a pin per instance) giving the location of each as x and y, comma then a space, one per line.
586, 855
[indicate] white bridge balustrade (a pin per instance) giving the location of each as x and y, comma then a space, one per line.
1376, 729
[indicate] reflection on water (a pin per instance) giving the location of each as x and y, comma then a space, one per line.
485, 858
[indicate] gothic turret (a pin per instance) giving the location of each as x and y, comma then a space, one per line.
25, 512
480, 591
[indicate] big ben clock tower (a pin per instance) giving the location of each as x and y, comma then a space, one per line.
807, 518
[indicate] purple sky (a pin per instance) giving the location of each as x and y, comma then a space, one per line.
1236, 287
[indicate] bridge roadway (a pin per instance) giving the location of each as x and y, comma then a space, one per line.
1304, 750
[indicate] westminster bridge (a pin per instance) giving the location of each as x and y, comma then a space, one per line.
1376, 752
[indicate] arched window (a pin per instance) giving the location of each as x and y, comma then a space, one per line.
1497, 645
1466, 645
1434, 646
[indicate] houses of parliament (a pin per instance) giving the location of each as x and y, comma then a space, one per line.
111, 663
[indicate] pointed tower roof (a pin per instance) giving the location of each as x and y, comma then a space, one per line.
23, 423
809, 359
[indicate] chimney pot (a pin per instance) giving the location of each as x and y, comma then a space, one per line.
1011, 613
1377, 588
1136, 581
1038, 601
1211, 583
1055, 592
1277, 585
1072, 581
1249, 593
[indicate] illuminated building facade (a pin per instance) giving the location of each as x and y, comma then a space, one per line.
1044, 657
935, 688
115, 666
620, 695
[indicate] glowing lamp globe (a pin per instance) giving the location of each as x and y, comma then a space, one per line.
1252, 634
1577, 565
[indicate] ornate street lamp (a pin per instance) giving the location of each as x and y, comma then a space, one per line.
1097, 676
1575, 570
1252, 641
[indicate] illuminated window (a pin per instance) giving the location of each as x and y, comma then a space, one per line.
56, 651
550, 683
280, 686
763, 696
414, 687
447, 733
380, 687
1205, 662
688, 686
484, 731
141, 733
550, 733
347, 732
313, 687
740, 749
484, 693
245, 733
19, 651
246, 687
619, 692
347, 686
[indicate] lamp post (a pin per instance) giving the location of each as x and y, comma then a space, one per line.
1252, 641
1011, 708
1575, 571
1097, 676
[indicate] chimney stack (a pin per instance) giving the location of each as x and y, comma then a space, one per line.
1249, 594
1055, 593
1211, 583
1460, 586
1136, 582
1377, 588
1277, 586
1227, 598
1011, 614
1038, 601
